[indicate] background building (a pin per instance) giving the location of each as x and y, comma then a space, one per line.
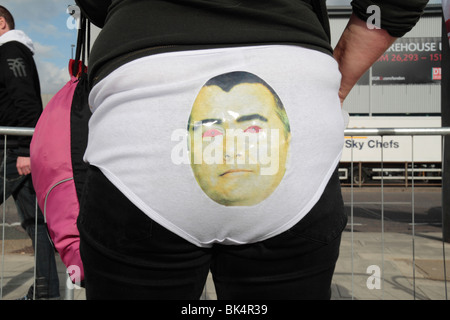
402, 89
403, 81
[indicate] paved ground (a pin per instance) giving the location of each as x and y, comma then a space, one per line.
364, 257
373, 265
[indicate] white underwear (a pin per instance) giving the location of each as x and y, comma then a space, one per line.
227, 146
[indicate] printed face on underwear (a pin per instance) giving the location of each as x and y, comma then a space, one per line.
239, 139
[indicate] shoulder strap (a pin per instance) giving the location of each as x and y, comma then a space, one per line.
83, 46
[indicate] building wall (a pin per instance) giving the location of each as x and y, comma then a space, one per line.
398, 99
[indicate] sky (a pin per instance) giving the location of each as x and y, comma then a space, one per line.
49, 25
45, 22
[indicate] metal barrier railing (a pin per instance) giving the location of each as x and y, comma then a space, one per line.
6, 131
398, 132
348, 133
383, 132
69, 287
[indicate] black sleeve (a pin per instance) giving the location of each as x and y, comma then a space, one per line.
397, 16
94, 10
22, 87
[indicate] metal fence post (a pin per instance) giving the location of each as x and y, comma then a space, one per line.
445, 116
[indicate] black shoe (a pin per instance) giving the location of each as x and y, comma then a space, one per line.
29, 295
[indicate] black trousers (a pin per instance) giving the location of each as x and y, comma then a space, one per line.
126, 255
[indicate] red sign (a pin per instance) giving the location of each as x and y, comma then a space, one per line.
437, 75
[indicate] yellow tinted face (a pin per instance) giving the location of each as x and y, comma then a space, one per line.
238, 144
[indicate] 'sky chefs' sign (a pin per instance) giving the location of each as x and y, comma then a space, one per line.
408, 61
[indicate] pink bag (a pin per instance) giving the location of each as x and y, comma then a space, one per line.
56, 154
53, 175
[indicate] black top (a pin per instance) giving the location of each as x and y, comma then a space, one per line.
20, 93
136, 28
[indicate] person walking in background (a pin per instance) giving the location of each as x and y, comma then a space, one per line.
164, 205
21, 106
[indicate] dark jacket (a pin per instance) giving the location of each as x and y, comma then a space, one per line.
20, 93
136, 28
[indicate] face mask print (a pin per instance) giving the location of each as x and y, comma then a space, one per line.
239, 139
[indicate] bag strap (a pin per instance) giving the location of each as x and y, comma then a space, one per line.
83, 47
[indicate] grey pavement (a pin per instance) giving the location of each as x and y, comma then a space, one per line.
392, 266
371, 266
